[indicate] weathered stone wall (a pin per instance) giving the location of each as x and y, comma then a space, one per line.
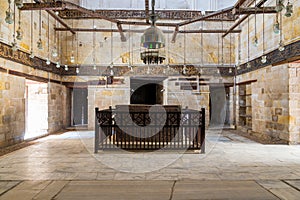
6, 30
199, 48
59, 102
294, 103
105, 96
59, 110
270, 101
187, 98
275, 94
269, 40
12, 109
12, 102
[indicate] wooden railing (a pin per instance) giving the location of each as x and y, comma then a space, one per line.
144, 130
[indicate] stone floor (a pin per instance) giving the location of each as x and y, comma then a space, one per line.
233, 167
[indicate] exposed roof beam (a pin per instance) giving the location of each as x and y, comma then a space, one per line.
143, 30
146, 24
254, 10
60, 21
72, 11
147, 10
242, 19
209, 31
88, 12
206, 16
101, 30
44, 6
49, 7
175, 34
62, 5
120, 29
243, 3
235, 25
239, 3
140, 15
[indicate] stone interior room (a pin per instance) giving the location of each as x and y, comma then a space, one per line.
145, 99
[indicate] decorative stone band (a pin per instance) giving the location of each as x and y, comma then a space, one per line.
275, 57
23, 58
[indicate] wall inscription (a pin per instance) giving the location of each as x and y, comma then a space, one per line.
23, 58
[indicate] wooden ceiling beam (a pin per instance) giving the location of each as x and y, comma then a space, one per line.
242, 19
239, 3
208, 31
44, 6
72, 11
95, 14
220, 12
174, 15
49, 7
146, 24
147, 10
254, 10
143, 30
175, 34
92, 13
120, 29
62, 5
60, 21
235, 25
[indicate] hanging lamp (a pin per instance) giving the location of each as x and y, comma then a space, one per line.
152, 40
31, 34
281, 45
248, 44
14, 46
48, 62
19, 3
263, 57
9, 18
19, 31
289, 9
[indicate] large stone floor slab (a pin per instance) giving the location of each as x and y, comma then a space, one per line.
65, 167
294, 183
7, 185
160, 190
109, 190
220, 190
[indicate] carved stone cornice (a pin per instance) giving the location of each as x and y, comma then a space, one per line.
23, 58
275, 57
152, 70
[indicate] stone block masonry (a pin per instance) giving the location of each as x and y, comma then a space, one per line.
12, 109
275, 102
294, 103
59, 111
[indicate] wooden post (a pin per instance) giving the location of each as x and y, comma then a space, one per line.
202, 143
96, 131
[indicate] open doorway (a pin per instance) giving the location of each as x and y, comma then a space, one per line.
80, 105
219, 106
146, 91
36, 109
